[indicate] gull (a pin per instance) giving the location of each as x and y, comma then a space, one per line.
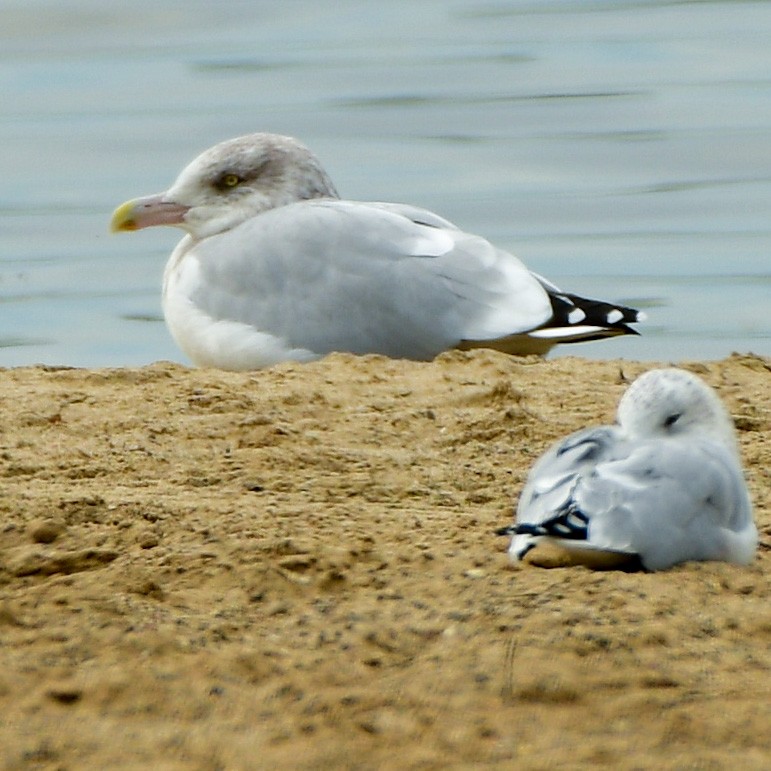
274, 267
663, 485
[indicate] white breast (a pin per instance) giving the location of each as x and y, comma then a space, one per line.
216, 342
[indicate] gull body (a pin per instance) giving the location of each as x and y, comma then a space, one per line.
274, 266
662, 486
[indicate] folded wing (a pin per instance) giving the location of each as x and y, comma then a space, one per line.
665, 501
322, 275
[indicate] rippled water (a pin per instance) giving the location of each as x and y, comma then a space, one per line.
623, 149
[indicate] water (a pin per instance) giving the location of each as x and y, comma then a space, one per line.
623, 149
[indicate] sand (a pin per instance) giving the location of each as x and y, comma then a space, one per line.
296, 569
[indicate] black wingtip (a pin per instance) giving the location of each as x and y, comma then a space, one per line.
572, 310
605, 313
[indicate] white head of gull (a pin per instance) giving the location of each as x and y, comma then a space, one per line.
275, 267
662, 486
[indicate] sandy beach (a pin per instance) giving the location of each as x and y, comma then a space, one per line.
297, 569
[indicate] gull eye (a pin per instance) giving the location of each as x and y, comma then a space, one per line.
228, 181
670, 420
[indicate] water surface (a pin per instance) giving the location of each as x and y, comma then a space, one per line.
623, 149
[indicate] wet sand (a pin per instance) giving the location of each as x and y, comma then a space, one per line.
297, 569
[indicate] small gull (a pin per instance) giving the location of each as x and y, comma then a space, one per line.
274, 266
662, 486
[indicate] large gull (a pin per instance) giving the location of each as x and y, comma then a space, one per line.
275, 266
662, 486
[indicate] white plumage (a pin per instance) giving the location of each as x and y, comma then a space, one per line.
663, 486
275, 266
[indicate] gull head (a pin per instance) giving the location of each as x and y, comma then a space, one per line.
229, 184
673, 402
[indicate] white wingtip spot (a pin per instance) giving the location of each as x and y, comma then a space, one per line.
576, 316
615, 316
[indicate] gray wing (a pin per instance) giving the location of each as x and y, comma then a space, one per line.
667, 501
366, 278
417, 215
546, 504
556, 473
